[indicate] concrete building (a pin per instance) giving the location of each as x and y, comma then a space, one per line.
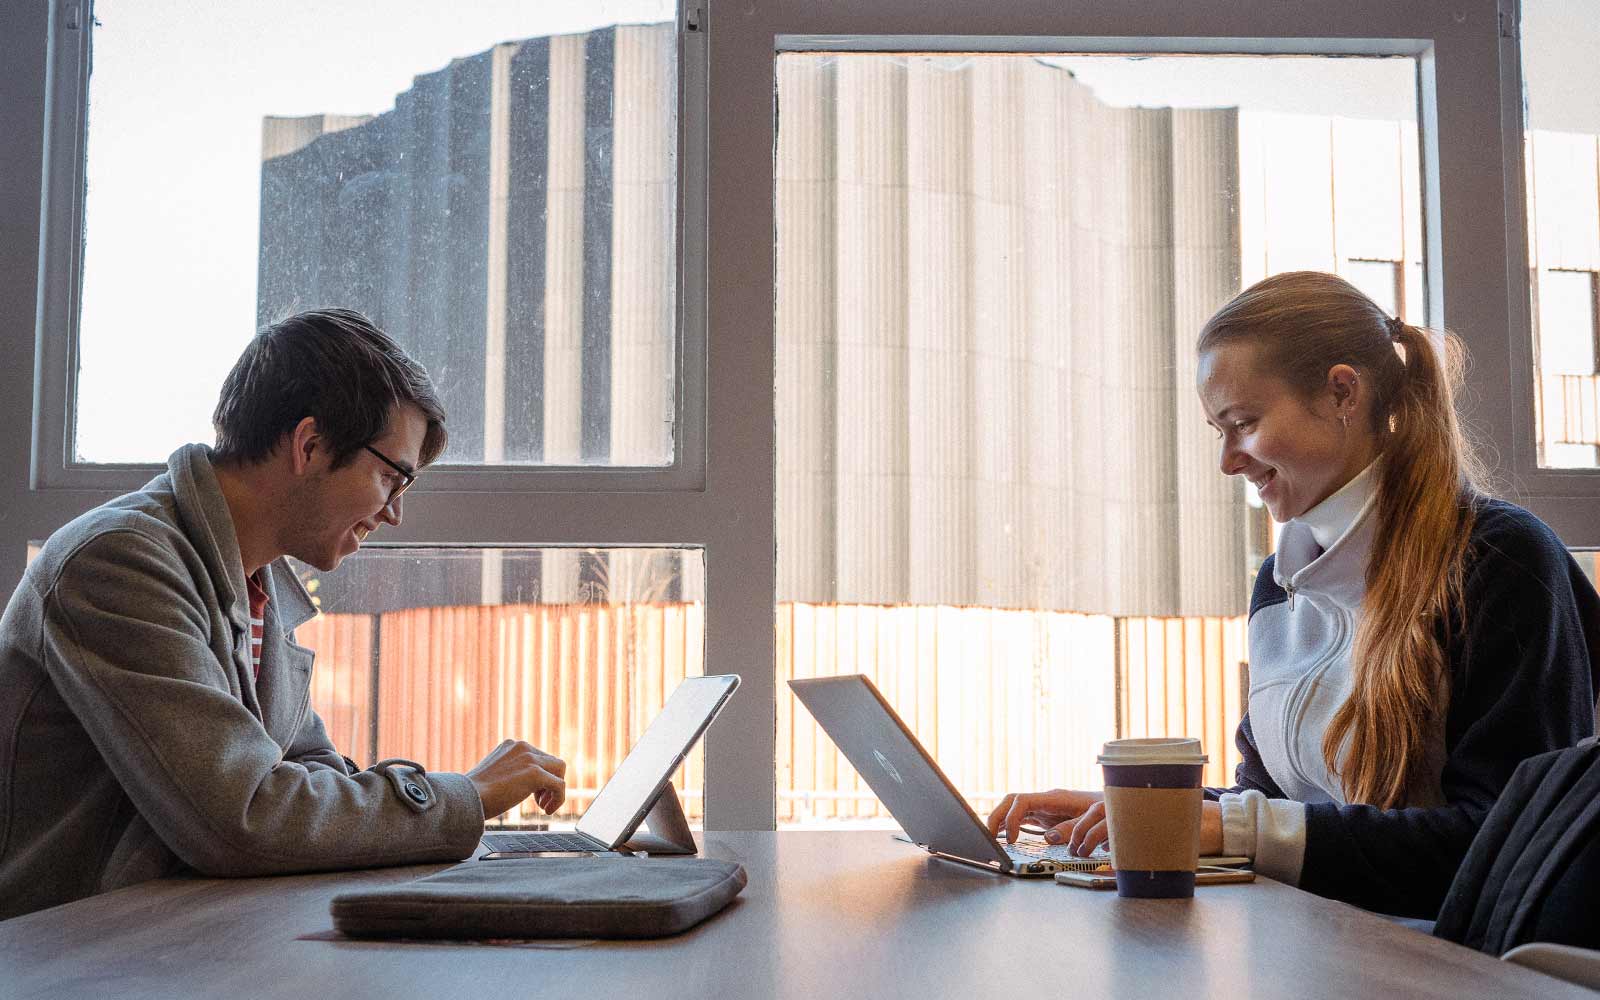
955, 245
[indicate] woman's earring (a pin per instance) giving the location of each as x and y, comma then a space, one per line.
1344, 420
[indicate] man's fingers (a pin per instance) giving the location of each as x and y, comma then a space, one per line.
548, 800
552, 790
555, 765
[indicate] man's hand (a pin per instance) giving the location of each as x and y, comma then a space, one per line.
513, 771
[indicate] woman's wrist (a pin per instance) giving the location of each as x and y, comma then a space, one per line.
1210, 829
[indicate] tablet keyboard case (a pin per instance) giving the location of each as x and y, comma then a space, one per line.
546, 898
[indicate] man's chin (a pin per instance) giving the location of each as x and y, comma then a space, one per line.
324, 563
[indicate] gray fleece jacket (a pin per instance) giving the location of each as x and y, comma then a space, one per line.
135, 740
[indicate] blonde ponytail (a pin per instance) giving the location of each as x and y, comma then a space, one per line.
1306, 322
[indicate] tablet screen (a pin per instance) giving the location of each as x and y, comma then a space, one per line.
648, 766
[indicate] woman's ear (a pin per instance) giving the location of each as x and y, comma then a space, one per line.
1344, 387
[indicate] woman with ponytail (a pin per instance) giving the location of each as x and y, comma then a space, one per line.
1411, 641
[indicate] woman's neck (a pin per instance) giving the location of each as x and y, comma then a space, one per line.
1332, 517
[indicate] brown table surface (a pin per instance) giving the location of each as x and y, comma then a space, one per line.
825, 915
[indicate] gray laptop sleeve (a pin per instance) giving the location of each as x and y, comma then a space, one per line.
546, 898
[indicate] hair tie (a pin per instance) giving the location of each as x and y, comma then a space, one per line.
1396, 327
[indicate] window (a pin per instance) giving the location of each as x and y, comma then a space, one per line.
496, 186
720, 489
997, 492
1562, 148
1565, 317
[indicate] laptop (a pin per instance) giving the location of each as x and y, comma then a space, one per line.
922, 800
641, 789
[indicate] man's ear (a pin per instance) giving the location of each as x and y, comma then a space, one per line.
304, 444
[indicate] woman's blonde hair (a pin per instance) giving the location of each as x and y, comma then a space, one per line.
1302, 323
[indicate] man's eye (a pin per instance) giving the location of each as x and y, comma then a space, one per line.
1243, 425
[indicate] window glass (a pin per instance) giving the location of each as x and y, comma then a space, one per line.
1588, 561
1560, 77
997, 494
437, 655
495, 183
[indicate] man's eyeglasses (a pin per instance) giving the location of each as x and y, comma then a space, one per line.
407, 477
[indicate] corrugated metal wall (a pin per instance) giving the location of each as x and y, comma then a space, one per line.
988, 285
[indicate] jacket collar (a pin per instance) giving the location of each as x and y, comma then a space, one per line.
209, 524
1332, 517
1338, 573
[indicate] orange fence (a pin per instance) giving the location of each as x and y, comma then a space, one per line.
579, 680
1185, 677
1003, 699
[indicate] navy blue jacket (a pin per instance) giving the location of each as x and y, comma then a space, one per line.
1523, 654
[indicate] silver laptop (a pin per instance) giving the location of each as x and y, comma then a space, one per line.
641, 789
901, 773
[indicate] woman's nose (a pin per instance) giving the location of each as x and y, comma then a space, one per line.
1232, 460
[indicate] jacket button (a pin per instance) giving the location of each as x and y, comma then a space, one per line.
416, 793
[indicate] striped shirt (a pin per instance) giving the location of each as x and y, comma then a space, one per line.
258, 622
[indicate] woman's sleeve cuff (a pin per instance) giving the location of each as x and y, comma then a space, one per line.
1271, 832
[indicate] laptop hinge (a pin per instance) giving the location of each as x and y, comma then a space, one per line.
668, 829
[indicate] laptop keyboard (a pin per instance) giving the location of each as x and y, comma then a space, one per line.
527, 843
1038, 850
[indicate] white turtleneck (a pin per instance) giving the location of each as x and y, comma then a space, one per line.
1332, 517
1300, 673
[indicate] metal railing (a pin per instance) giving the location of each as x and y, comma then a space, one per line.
1004, 699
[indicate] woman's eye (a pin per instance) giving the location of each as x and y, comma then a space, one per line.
1243, 425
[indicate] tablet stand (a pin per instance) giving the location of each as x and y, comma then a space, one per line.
668, 829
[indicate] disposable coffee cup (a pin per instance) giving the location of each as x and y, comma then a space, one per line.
1153, 813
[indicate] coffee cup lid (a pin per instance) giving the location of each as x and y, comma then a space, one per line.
1153, 750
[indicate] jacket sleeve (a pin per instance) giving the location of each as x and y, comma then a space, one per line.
1250, 774
1520, 685
125, 639
312, 748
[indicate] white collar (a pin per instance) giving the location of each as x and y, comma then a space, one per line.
1332, 517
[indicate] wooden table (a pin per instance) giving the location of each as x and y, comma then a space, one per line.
846, 914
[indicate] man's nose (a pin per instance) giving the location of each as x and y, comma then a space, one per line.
391, 512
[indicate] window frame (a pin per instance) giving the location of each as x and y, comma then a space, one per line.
52, 465
1565, 498
720, 494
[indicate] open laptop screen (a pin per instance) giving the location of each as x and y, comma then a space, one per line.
649, 765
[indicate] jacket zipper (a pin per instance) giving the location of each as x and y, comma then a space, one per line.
1300, 693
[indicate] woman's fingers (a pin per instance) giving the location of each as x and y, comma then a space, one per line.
1036, 808
1088, 831
997, 816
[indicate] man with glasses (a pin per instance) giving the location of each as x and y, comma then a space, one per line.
154, 709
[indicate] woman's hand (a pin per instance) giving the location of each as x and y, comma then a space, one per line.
1210, 829
1058, 809
1078, 820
